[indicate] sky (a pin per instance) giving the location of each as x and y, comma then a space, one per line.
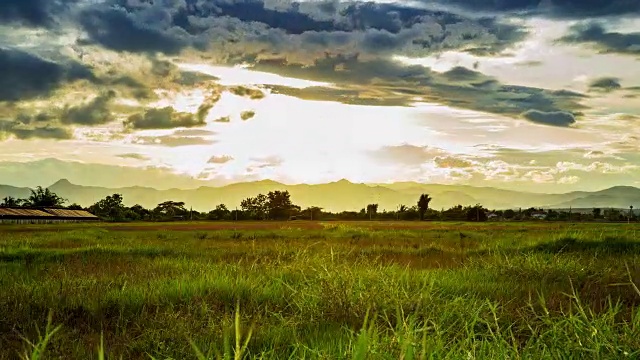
535, 95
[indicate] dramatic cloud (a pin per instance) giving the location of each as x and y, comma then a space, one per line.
164, 118
367, 81
29, 131
250, 28
95, 112
27, 76
552, 8
32, 12
555, 118
606, 84
149, 30
595, 35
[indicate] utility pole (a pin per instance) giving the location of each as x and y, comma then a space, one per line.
569, 213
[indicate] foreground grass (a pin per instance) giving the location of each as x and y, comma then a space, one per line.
321, 291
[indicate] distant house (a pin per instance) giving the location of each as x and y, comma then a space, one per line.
539, 215
493, 216
44, 216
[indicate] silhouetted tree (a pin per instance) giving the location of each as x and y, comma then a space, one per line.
509, 214
423, 205
75, 206
256, 208
477, 213
138, 212
10, 201
41, 197
219, 213
372, 209
109, 208
170, 209
312, 213
597, 212
279, 205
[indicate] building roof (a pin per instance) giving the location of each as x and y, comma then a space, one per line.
65, 213
49, 213
18, 212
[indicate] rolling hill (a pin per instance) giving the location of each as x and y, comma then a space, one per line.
344, 195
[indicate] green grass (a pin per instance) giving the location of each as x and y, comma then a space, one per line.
329, 291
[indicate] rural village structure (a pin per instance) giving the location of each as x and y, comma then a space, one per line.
44, 216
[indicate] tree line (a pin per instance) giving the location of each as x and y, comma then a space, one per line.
277, 205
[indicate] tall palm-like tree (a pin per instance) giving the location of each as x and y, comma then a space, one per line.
423, 205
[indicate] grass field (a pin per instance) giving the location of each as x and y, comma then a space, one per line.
358, 290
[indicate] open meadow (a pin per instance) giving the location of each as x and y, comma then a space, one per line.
313, 290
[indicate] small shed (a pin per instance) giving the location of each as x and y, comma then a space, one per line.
72, 215
43, 215
24, 216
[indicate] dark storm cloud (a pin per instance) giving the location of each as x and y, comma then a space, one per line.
365, 82
25, 75
39, 13
255, 26
550, 8
164, 118
149, 30
606, 84
596, 35
555, 118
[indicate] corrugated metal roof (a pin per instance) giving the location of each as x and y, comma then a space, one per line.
23, 212
71, 213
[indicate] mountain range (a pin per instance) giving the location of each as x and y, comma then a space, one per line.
344, 195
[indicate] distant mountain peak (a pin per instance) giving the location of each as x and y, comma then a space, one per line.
343, 182
62, 183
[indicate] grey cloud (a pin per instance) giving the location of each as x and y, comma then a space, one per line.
406, 154
244, 91
267, 162
30, 131
362, 81
289, 27
606, 84
134, 156
222, 159
38, 13
452, 162
149, 30
25, 75
555, 118
164, 118
597, 36
224, 119
246, 115
550, 8
95, 112
174, 141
